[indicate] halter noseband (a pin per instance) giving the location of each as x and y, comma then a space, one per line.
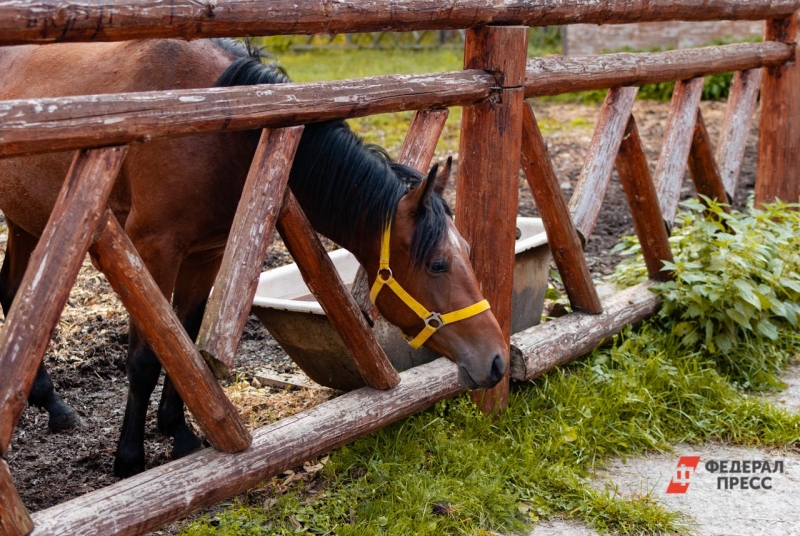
433, 321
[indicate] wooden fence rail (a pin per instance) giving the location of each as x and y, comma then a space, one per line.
44, 125
118, 20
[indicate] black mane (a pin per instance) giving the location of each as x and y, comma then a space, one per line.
334, 172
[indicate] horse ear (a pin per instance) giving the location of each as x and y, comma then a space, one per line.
443, 177
419, 195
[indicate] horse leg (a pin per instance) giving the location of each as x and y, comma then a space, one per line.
195, 279
142, 365
43, 395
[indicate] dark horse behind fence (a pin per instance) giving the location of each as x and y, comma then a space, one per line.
177, 198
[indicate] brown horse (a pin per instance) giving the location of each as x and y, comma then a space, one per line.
177, 198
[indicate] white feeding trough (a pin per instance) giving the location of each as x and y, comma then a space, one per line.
287, 309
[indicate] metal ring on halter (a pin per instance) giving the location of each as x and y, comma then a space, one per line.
434, 317
385, 279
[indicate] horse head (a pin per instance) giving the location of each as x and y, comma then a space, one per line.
423, 282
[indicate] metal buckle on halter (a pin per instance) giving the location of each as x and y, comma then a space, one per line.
385, 279
434, 317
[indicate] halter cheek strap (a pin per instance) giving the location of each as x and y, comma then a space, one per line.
433, 321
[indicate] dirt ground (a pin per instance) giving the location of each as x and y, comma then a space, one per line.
87, 356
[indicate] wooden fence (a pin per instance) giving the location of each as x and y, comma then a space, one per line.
496, 78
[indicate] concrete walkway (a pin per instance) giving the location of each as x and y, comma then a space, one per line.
710, 511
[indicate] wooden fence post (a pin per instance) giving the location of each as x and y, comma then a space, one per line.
251, 232
779, 138
118, 259
52, 270
14, 518
563, 239
488, 169
634, 174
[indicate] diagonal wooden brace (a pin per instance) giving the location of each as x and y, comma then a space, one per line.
562, 237
677, 144
634, 174
587, 200
323, 280
703, 167
416, 152
736, 126
52, 270
117, 258
14, 517
229, 304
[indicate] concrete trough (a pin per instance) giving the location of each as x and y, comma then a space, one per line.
286, 307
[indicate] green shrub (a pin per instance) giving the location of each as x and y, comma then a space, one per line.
737, 276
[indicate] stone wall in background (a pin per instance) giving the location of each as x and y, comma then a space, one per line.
585, 39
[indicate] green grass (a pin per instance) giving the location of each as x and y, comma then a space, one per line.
450, 470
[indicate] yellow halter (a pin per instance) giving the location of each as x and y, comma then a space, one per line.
433, 321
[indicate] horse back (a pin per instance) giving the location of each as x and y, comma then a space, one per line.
156, 176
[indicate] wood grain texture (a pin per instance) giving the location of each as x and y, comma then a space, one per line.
742, 102
235, 287
146, 501
116, 257
565, 245
115, 20
14, 517
417, 151
540, 348
52, 270
703, 167
634, 174
323, 280
779, 133
488, 182
587, 199
553, 75
41, 125
677, 143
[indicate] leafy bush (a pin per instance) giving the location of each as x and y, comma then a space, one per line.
737, 276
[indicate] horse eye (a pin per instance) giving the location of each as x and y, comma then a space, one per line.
439, 266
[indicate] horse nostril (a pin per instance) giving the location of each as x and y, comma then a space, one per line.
498, 368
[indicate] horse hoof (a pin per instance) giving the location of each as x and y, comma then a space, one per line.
185, 448
124, 469
66, 420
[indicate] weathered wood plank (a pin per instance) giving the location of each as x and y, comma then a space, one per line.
634, 174
587, 199
779, 133
323, 280
417, 151
488, 182
40, 125
14, 518
676, 146
553, 75
540, 348
117, 258
52, 270
115, 20
742, 102
423, 134
565, 245
148, 500
703, 167
229, 304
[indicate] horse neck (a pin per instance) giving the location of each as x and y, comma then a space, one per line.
332, 197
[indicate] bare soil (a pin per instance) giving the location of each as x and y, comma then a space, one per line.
87, 356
